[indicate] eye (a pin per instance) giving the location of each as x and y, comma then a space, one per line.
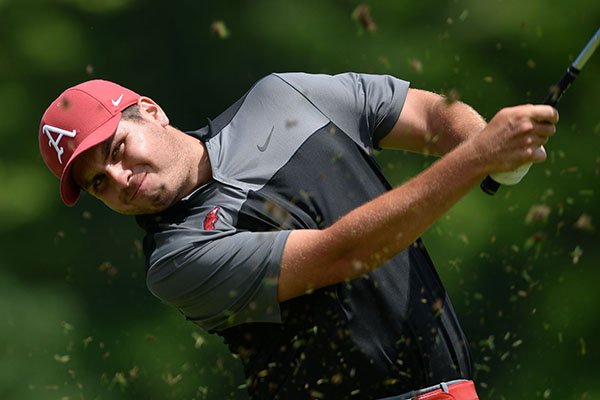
96, 183
117, 150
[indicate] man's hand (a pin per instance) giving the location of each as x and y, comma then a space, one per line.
516, 136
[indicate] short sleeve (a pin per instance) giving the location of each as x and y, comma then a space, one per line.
219, 279
365, 106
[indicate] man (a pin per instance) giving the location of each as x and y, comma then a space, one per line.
274, 228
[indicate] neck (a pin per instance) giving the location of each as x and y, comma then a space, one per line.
197, 162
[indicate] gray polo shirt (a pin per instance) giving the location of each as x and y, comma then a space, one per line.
295, 153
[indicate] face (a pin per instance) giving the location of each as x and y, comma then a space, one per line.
143, 168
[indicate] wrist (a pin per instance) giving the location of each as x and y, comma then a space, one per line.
471, 160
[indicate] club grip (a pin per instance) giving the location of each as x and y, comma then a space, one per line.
556, 91
489, 185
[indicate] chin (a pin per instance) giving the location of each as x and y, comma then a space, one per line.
150, 205
155, 205
138, 209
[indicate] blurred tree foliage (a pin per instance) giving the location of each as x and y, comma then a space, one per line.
76, 320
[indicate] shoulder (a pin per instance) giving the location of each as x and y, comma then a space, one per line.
304, 82
206, 215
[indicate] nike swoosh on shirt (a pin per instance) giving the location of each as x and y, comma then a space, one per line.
266, 144
117, 101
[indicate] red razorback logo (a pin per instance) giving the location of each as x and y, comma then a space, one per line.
211, 218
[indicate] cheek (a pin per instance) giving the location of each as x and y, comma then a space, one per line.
142, 153
155, 151
167, 154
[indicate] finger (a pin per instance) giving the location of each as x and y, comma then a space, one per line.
537, 141
544, 128
544, 113
539, 154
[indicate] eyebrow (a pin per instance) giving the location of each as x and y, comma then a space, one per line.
106, 146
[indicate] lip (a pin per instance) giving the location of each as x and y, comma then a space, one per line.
137, 189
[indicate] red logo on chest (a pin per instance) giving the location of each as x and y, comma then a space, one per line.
211, 218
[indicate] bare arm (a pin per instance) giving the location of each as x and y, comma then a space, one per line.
373, 233
431, 124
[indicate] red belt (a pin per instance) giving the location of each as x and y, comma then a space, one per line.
455, 390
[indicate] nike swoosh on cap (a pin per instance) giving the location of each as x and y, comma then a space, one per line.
117, 101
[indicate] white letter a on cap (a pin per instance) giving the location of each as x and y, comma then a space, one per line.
48, 130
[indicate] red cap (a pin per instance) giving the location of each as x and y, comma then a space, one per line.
80, 118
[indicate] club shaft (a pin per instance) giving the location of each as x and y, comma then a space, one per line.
587, 52
489, 185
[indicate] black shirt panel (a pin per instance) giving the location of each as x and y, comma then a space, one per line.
391, 330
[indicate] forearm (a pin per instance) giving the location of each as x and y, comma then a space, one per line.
368, 236
396, 219
373, 233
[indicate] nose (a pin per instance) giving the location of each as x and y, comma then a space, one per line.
118, 175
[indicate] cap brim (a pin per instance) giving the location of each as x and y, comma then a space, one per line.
69, 189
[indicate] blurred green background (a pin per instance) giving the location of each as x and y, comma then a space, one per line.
76, 321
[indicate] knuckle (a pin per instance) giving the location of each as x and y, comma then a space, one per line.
526, 126
503, 113
527, 109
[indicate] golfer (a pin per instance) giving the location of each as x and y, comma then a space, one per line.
274, 227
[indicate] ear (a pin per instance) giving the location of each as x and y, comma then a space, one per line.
151, 110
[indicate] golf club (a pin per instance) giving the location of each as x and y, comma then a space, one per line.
492, 182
